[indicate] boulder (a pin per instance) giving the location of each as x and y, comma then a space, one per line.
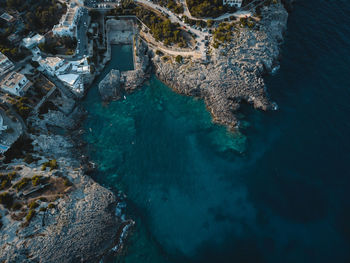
110, 87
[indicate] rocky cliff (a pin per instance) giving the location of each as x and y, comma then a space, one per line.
110, 87
234, 72
75, 219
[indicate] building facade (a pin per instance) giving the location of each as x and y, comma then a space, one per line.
31, 42
6, 65
15, 83
68, 23
51, 64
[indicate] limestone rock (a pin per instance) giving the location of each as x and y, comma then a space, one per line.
110, 86
234, 73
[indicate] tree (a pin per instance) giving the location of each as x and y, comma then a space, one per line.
178, 59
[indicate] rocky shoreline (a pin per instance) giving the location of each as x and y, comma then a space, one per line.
117, 83
85, 221
235, 71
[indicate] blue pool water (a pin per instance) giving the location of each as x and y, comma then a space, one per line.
278, 192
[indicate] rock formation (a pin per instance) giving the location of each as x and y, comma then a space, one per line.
115, 84
234, 73
83, 224
110, 87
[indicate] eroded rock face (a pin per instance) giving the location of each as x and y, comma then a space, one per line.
110, 86
83, 224
81, 227
234, 73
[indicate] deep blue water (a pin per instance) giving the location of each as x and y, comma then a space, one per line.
278, 192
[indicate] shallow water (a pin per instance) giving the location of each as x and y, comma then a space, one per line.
277, 193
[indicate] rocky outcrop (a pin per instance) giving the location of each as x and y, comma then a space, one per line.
115, 84
81, 228
110, 87
234, 73
85, 222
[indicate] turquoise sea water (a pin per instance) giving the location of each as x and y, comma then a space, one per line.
278, 192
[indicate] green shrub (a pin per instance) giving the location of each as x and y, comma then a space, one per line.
51, 163
42, 209
36, 180
66, 182
12, 175
178, 59
16, 206
22, 183
5, 179
30, 215
6, 199
33, 205
51, 205
43, 167
5, 183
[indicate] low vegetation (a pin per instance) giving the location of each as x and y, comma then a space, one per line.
52, 164
172, 5
36, 180
208, 8
6, 199
161, 28
38, 15
59, 45
223, 33
178, 59
5, 180
21, 106
30, 215
22, 183
32, 205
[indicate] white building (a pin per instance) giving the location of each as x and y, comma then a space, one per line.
30, 42
74, 81
7, 17
51, 64
236, 3
15, 83
69, 79
81, 66
68, 23
5, 64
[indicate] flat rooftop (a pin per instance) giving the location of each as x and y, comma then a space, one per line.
12, 79
51, 61
2, 57
7, 17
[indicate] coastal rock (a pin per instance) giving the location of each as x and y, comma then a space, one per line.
115, 84
234, 72
110, 86
81, 228
83, 225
